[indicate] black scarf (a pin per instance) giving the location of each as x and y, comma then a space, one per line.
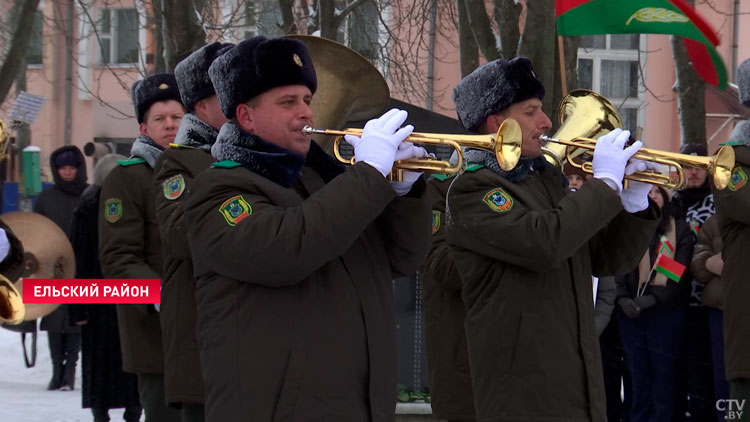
270, 160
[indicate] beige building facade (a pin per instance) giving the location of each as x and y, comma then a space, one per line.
87, 86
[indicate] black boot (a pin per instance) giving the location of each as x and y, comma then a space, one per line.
100, 414
132, 414
57, 374
69, 376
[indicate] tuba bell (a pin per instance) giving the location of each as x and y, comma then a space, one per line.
337, 100
47, 254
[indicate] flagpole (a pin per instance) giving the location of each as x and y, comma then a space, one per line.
561, 56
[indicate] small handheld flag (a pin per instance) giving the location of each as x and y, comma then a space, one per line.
670, 268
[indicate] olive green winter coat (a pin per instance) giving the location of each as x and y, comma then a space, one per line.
294, 289
733, 210
175, 171
130, 248
526, 250
451, 394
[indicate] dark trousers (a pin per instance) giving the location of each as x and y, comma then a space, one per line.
652, 343
63, 349
740, 390
616, 378
132, 414
716, 331
695, 374
192, 412
153, 400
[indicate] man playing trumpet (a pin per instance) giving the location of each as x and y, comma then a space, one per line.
526, 247
294, 255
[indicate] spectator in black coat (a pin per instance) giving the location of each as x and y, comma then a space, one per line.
57, 203
105, 385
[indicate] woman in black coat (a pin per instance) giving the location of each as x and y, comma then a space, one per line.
105, 385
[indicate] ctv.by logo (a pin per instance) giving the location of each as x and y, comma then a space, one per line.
732, 407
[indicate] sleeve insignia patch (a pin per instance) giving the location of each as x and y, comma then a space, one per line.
235, 209
173, 187
113, 210
498, 200
738, 179
435, 221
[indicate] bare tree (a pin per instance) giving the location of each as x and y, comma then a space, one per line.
15, 59
691, 91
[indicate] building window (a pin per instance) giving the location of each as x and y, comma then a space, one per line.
34, 55
118, 36
609, 65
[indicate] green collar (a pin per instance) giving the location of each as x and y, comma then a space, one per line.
474, 167
442, 177
226, 164
734, 144
131, 161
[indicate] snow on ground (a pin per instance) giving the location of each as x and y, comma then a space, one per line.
23, 391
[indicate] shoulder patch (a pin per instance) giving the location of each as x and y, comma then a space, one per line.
498, 200
131, 161
235, 209
113, 210
173, 187
226, 164
435, 221
473, 167
738, 179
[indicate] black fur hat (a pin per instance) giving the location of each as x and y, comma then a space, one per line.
257, 65
159, 87
694, 149
192, 73
743, 82
493, 87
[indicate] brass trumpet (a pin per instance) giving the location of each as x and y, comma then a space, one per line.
719, 165
585, 115
506, 144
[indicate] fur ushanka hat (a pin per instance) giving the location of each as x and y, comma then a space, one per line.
192, 73
493, 87
159, 87
257, 65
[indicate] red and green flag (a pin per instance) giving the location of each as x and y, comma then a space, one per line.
695, 228
671, 269
675, 17
666, 247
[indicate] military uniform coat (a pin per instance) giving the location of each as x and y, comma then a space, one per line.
130, 247
295, 296
525, 250
733, 209
451, 395
173, 179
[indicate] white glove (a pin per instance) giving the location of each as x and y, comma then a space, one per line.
405, 151
4, 245
635, 197
380, 140
610, 158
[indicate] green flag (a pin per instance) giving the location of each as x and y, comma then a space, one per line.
675, 17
